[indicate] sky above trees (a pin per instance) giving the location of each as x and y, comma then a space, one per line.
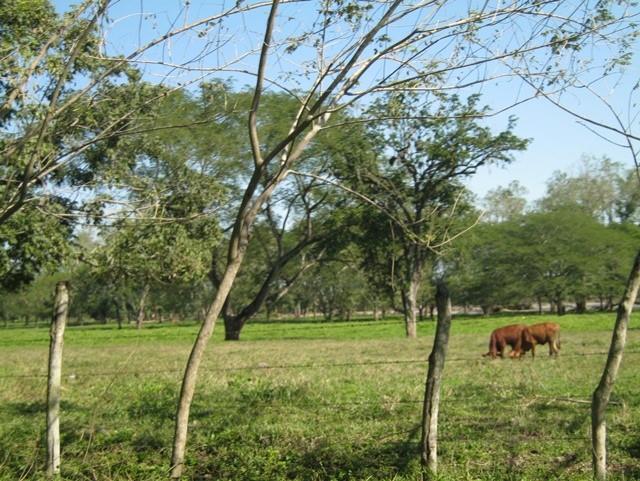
558, 139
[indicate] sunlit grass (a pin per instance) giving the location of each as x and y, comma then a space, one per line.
312, 401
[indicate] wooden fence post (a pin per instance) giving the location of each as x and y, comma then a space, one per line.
59, 321
432, 387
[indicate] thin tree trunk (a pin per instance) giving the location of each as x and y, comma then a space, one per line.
238, 241
581, 305
605, 387
411, 301
119, 313
191, 372
143, 301
560, 307
540, 305
58, 324
432, 386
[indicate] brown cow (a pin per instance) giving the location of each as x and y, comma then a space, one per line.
543, 333
517, 336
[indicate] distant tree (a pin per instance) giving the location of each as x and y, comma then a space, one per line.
484, 268
627, 204
505, 203
559, 256
618, 245
595, 190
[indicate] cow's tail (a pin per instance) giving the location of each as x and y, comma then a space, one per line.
493, 348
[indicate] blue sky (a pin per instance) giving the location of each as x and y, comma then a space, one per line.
558, 141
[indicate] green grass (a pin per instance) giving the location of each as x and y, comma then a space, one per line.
317, 401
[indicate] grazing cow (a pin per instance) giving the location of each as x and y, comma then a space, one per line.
543, 333
517, 336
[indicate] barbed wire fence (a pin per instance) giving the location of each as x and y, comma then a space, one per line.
505, 433
265, 366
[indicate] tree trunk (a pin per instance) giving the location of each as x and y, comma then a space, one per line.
603, 391
433, 382
411, 317
195, 358
609, 303
60, 314
539, 299
581, 305
141, 305
232, 327
119, 313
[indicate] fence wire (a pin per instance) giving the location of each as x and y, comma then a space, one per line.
319, 365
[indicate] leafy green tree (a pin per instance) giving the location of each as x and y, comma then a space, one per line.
295, 227
32, 242
594, 190
66, 114
59, 99
560, 256
423, 153
618, 245
170, 194
483, 269
505, 203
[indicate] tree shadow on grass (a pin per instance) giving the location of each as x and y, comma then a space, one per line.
371, 461
37, 408
256, 456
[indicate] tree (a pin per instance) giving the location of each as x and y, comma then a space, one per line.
32, 242
505, 203
484, 268
57, 98
290, 230
595, 190
424, 151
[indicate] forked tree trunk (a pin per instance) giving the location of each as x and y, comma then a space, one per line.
238, 242
432, 386
58, 324
605, 387
304, 129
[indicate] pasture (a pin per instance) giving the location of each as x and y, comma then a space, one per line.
317, 401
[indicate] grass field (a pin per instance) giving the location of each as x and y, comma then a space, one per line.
317, 401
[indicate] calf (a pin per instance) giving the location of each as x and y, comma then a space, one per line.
543, 333
517, 336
